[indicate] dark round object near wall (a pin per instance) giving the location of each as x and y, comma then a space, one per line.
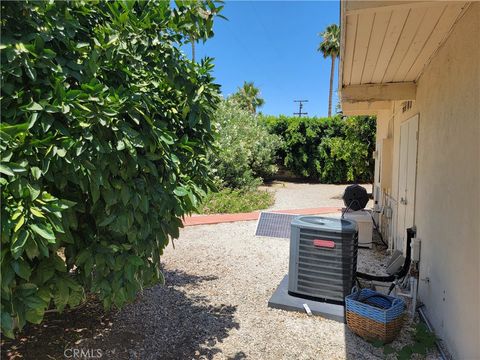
355, 197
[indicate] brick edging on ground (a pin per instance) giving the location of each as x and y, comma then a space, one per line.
224, 218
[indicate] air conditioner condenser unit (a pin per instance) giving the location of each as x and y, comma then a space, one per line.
323, 258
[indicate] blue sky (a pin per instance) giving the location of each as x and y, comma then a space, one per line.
274, 44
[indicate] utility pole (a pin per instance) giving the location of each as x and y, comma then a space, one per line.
300, 107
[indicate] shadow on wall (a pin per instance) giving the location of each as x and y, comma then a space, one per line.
162, 324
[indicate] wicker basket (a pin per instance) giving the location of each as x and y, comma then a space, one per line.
374, 316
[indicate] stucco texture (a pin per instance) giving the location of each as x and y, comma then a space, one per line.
447, 201
447, 207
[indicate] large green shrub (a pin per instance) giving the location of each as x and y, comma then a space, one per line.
104, 134
330, 150
245, 149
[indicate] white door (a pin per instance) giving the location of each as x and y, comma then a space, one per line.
406, 180
377, 197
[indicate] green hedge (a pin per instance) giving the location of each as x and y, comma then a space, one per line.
329, 150
104, 137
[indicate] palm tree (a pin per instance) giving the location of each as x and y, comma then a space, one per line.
248, 97
330, 47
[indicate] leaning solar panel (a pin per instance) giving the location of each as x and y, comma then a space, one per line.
274, 225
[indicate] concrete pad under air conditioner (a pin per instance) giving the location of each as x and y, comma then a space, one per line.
282, 300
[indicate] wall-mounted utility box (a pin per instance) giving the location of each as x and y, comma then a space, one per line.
415, 246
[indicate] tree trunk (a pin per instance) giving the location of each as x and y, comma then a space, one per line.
192, 40
332, 73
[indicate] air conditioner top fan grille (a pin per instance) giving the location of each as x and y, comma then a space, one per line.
326, 224
355, 197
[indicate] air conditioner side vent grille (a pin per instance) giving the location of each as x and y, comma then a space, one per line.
323, 257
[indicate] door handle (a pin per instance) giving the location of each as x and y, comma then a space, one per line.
403, 201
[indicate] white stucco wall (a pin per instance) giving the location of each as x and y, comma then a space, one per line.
447, 204
447, 210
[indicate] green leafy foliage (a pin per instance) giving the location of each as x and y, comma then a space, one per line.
246, 151
329, 150
236, 201
248, 97
104, 138
330, 45
423, 342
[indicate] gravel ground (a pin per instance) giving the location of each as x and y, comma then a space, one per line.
303, 196
213, 305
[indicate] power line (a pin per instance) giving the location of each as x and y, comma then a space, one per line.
300, 107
